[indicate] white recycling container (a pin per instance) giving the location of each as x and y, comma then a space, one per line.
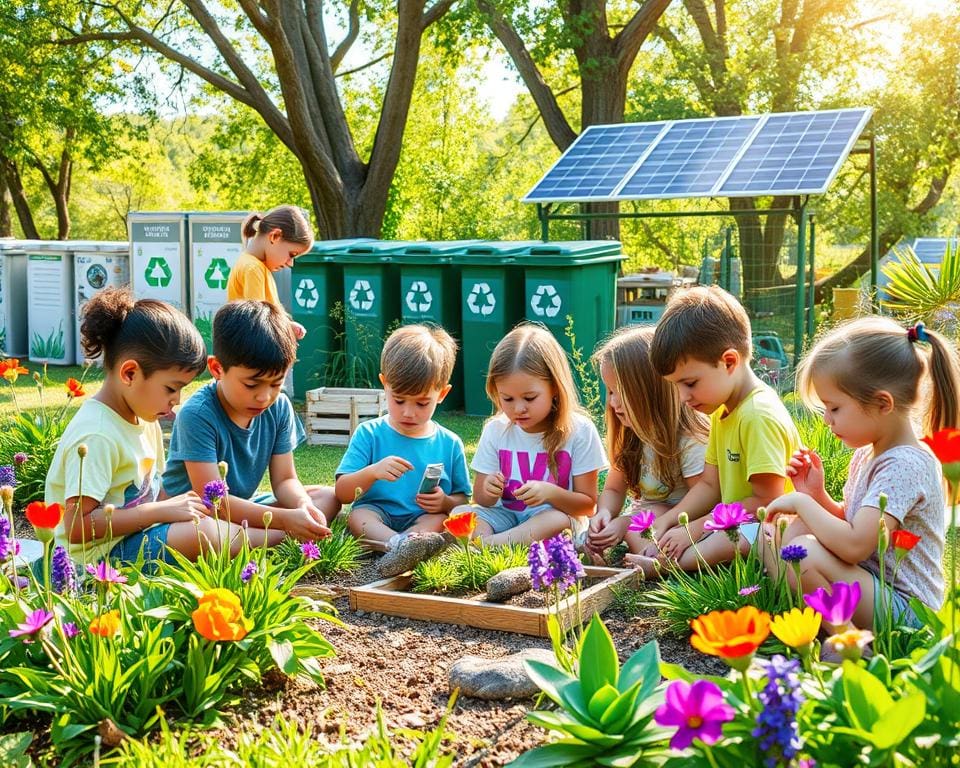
97, 266
13, 298
51, 306
158, 257
216, 242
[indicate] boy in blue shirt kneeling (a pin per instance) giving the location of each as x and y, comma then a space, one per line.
244, 419
387, 458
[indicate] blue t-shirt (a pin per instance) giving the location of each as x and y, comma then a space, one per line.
204, 432
376, 439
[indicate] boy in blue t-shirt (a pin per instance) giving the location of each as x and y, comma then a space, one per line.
244, 419
386, 460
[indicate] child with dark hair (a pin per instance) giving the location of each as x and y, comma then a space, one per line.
244, 419
150, 352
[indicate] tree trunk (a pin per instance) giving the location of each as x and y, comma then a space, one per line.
20, 203
6, 206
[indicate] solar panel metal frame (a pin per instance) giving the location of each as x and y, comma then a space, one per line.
865, 113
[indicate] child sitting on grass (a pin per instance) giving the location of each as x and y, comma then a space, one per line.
387, 457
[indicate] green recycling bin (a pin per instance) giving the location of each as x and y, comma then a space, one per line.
577, 279
430, 293
371, 302
491, 303
316, 286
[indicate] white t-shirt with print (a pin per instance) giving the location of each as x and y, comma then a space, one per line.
520, 456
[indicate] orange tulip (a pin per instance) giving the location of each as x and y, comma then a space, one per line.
11, 369
732, 635
461, 526
219, 616
74, 388
106, 624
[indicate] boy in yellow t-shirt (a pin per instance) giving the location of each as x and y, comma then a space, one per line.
703, 345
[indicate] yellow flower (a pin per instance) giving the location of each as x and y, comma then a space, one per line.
797, 628
219, 616
106, 624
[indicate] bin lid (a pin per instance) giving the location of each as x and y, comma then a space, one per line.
495, 251
369, 251
573, 252
434, 251
327, 250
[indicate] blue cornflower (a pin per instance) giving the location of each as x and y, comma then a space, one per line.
8, 475
776, 730
214, 493
793, 553
248, 572
62, 572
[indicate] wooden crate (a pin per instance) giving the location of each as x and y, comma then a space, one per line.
390, 596
333, 413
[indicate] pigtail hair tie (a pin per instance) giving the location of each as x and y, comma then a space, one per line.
917, 333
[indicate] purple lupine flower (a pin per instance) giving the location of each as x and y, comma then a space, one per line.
250, 570
70, 630
539, 565
565, 567
62, 572
727, 516
837, 606
8, 475
8, 545
21, 582
642, 520
106, 574
776, 730
20, 458
752, 590
213, 493
32, 624
793, 553
310, 550
698, 710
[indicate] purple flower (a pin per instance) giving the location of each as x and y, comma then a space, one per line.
837, 606
698, 710
106, 574
22, 582
642, 520
20, 458
62, 571
727, 516
747, 591
776, 730
251, 569
33, 623
70, 630
8, 546
564, 565
310, 550
214, 493
793, 553
539, 565
8, 475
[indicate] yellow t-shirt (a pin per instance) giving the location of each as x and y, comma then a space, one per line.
757, 437
250, 279
123, 467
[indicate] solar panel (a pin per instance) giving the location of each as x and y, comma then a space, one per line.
784, 153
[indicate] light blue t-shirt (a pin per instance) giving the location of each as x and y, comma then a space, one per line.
204, 432
376, 439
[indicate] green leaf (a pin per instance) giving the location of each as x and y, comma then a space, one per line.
643, 665
599, 664
283, 655
675, 672
601, 700
620, 712
548, 678
555, 755
898, 722
13, 749
866, 697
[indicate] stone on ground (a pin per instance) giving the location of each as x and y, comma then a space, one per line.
410, 551
497, 679
507, 583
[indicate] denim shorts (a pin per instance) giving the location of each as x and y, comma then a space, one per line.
398, 523
903, 615
152, 542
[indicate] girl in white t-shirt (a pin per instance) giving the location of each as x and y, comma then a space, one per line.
656, 445
539, 456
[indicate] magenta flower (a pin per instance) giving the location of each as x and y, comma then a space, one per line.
642, 520
106, 574
837, 606
33, 623
727, 516
70, 630
310, 550
747, 591
698, 711
214, 493
20, 458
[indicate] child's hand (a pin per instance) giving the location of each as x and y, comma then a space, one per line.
493, 485
600, 520
306, 523
391, 468
805, 471
185, 508
610, 535
298, 330
674, 542
533, 493
431, 502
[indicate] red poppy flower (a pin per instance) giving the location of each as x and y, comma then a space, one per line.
11, 369
43, 515
74, 388
904, 540
461, 526
945, 445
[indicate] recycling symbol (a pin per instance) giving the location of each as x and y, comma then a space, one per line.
480, 300
307, 295
545, 294
157, 273
419, 298
362, 295
217, 273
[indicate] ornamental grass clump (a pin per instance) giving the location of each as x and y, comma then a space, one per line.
338, 553
448, 573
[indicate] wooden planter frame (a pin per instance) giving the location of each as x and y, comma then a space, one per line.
390, 596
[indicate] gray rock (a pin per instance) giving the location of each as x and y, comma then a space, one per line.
409, 552
497, 679
506, 584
